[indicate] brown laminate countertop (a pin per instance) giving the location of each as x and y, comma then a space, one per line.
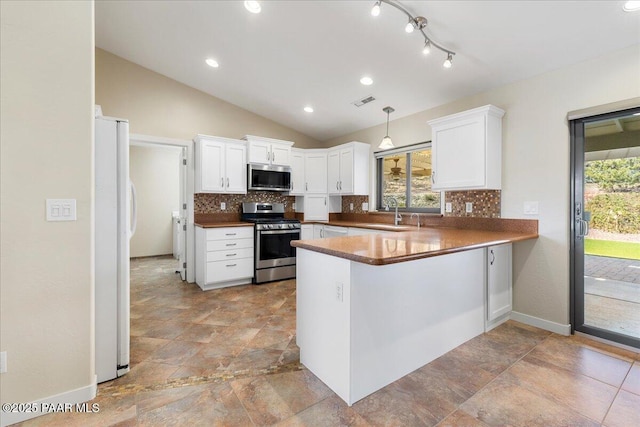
370, 225
223, 224
390, 248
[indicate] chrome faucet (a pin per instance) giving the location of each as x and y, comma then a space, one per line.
418, 215
396, 217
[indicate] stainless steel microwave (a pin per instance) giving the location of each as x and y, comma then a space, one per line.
268, 178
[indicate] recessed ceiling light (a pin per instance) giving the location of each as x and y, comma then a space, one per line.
631, 6
366, 81
212, 63
252, 6
308, 109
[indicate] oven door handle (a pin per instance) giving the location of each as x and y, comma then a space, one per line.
296, 231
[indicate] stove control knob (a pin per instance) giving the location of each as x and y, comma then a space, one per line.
292, 226
268, 226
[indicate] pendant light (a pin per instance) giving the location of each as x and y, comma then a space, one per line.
386, 142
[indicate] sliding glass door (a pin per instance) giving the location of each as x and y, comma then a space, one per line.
605, 226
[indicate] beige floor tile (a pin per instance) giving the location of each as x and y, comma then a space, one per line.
584, 394
263, 404
625, 411
461, 419
632, 382
570, 355
209, 405
331, 411
503, 402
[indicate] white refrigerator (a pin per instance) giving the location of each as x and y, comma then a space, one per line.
114, 226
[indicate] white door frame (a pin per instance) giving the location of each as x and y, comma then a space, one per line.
151, 141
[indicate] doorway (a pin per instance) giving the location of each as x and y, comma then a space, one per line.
605, 226
181, 222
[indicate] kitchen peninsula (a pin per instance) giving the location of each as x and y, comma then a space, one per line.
373, 308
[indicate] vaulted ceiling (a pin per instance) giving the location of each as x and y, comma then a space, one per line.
299, 53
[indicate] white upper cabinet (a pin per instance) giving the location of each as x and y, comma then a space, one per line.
221, 165
348, 169
268, 151
297, 172
315, 171
467, 150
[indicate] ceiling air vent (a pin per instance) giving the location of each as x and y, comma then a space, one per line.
365, 100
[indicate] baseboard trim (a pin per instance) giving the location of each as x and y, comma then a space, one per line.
548, 325
79, 395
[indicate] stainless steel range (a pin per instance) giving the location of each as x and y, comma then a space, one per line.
275, 258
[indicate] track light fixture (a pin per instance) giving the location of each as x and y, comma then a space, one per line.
416, 23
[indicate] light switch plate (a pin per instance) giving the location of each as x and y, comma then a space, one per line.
531, 208
468, 207
351, 206
447, 207
223, 206
61, 209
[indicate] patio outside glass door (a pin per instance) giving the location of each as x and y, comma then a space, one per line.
605, 228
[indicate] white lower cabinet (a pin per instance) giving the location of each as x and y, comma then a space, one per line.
306, 231
224, 256
355, 231
499, 285
334, 231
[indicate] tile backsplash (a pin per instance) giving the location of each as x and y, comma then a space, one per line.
207, 203
486, 203
357, 204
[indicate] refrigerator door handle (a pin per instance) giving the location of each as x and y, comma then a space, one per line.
134, 210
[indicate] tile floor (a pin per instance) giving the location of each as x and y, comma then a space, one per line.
228, 357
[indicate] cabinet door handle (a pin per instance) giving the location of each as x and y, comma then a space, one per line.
273, 156
325, 201
322, 232
230, 234
340, 185
306, 186
337, 185
493, 257
231, 254
433, 177
222, 182
231, 265
231, 244
227, 182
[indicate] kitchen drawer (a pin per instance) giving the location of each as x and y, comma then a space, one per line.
230, 254
226, 233
228, 244
223, 271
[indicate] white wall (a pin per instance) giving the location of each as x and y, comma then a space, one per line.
535, 162
155, 173
46, 125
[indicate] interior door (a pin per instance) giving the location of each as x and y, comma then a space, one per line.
182, 232
605, 302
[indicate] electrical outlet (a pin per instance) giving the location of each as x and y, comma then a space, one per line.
339, 292
223, 206
365, 206
351, 206
3, 362
468, 207
447, 207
